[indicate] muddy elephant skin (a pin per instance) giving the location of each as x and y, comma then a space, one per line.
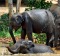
37, 21
27, 46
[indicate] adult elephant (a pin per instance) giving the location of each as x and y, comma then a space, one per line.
37, 21
57, 32
55, 11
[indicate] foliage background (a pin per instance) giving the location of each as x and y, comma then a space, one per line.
37, 4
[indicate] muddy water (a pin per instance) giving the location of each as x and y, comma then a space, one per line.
56, 51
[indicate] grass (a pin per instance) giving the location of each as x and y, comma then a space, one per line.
5, 34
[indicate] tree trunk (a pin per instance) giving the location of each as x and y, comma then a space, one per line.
18, 6
6, 3
59, 2
10, 3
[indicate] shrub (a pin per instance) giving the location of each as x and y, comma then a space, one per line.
5, 22
34, 4
41, 38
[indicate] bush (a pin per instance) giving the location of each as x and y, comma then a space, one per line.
41, 38
4, 22
34, 4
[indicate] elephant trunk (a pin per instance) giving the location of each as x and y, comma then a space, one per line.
14, 51
11, 33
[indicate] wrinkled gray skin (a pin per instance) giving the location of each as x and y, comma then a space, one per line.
57, 32
56, 14
37, 21
27, 46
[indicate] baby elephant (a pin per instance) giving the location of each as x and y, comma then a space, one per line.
27, 46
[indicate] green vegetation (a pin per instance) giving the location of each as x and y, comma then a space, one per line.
11, 43
40, 4
41, 38
3, 25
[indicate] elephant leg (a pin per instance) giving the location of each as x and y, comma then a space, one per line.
56, 38
29, 36
29, 33
11, 33
47, 40
59, 41
23, 34
55, 42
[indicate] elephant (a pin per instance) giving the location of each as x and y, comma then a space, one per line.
55, 11
37, 21
27, 46
57, 32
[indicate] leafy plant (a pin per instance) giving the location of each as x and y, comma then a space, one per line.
34, 4
5, 22
41, 38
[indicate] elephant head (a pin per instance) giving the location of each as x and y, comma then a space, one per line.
15, 23
21, 46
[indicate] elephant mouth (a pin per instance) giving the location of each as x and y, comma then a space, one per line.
16, 27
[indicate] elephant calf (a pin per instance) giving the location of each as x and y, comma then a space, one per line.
27, 46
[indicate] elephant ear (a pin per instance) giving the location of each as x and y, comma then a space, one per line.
19, 19
31, 43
